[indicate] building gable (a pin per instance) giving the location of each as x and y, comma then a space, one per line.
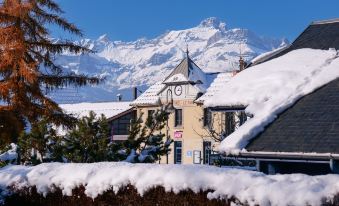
186, 81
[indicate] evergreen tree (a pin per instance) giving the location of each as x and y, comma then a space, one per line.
27, 70
8, 155
146, 143
41, 144
89, 141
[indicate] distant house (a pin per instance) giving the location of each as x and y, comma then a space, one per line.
185, 84
222, 120
120, 124
305, 137
295, 127
118, 114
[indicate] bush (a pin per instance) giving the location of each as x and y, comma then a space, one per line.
126, 196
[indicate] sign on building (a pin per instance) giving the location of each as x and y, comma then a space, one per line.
178, 134
196, 157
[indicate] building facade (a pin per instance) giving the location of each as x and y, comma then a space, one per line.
186, 126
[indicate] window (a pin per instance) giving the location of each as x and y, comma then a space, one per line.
177, 152
233, 120
178, 117
229, 123
207, 117
242, 117
207, 151
120, 126
150, 113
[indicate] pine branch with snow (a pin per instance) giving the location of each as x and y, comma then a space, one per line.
89, 142
146, 143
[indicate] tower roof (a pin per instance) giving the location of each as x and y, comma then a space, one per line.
187, 71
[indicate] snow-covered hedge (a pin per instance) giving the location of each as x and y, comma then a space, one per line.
247, 186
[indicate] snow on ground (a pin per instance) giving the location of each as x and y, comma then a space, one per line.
247, 186
109, 109
269, 88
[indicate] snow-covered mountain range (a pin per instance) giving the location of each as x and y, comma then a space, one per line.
213, 46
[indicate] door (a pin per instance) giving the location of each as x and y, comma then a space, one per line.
177, 152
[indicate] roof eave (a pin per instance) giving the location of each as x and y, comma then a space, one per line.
288, 155
227, 108
120, 114
152, 104
177, 83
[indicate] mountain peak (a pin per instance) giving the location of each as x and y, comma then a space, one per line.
213, 22
143, 62
103, 38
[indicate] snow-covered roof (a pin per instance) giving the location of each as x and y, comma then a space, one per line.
187, 72
249, 187
265, 56
327, 21
269, 88
109, 109
150, 96
215, 86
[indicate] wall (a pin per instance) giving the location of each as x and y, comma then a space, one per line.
193, 131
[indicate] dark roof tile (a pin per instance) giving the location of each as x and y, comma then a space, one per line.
310, 125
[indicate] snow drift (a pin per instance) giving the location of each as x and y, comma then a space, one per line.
269, 88
246, 186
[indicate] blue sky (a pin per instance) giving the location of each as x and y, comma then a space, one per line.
129, 20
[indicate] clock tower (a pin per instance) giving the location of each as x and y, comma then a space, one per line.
179, 90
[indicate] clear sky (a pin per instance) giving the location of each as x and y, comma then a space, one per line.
129, 20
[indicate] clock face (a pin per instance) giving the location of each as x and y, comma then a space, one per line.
178, 90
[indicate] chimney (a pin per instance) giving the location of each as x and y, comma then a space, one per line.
242, 64
135, 92
119, 97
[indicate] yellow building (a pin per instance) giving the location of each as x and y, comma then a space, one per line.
187, 124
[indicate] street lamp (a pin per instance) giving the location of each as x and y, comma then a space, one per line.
169, 108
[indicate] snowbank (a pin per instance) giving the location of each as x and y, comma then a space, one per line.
247, 186
269, 88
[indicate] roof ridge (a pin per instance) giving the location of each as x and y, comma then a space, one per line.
326, 21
